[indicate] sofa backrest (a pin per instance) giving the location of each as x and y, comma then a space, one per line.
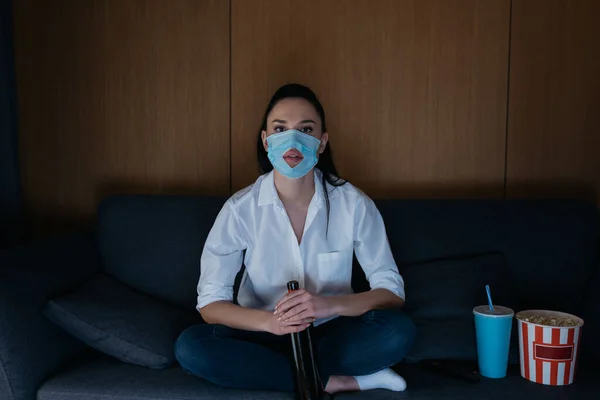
154, 243
550, 246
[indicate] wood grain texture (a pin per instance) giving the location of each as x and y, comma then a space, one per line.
415, 90
120, 97
554, 111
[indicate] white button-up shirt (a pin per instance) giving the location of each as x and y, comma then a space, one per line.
255, 220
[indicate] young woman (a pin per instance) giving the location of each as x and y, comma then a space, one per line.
298, 221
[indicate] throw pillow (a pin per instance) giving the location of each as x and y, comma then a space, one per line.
441, 295
114, 319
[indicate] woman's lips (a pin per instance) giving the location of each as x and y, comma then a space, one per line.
293, 157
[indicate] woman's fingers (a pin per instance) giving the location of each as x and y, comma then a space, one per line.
295, 312
294, 328
298, 321
301, 316
288, 297
289, 304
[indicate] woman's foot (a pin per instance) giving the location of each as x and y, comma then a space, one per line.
384, 379
337, 384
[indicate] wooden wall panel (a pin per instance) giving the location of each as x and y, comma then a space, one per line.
415, 90
554, 111
120, 96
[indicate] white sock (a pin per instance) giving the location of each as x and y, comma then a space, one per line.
384, 379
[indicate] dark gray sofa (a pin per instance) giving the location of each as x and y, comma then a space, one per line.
541, 254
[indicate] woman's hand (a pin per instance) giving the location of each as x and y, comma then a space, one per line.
277, 327
301, 306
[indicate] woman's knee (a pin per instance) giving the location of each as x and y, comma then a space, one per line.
190, 347
397, 330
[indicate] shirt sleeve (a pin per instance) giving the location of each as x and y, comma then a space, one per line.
221, 259
372, 249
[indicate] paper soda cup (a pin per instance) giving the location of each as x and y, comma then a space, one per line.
492, 330
548, 353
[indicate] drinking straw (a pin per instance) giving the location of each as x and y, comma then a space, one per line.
489, 296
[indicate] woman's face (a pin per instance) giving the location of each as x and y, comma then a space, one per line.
299, 114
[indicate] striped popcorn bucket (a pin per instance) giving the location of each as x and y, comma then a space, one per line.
548, 353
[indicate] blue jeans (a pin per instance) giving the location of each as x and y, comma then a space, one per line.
348, 346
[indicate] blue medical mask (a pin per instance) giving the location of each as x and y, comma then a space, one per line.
280, 143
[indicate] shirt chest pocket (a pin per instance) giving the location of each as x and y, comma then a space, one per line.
334, 269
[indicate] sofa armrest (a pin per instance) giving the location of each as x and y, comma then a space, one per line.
591, 316
32, 347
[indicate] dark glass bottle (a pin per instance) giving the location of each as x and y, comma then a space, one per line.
308, 381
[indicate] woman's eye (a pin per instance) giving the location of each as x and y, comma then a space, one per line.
279, 129
306, 129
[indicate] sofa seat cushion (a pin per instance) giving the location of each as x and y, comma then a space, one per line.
113, 318
426, 385
103, 378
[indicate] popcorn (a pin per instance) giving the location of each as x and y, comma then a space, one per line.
549, 320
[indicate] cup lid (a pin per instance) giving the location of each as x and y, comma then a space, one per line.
499, 311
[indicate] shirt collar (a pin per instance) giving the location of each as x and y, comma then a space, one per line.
268, 194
